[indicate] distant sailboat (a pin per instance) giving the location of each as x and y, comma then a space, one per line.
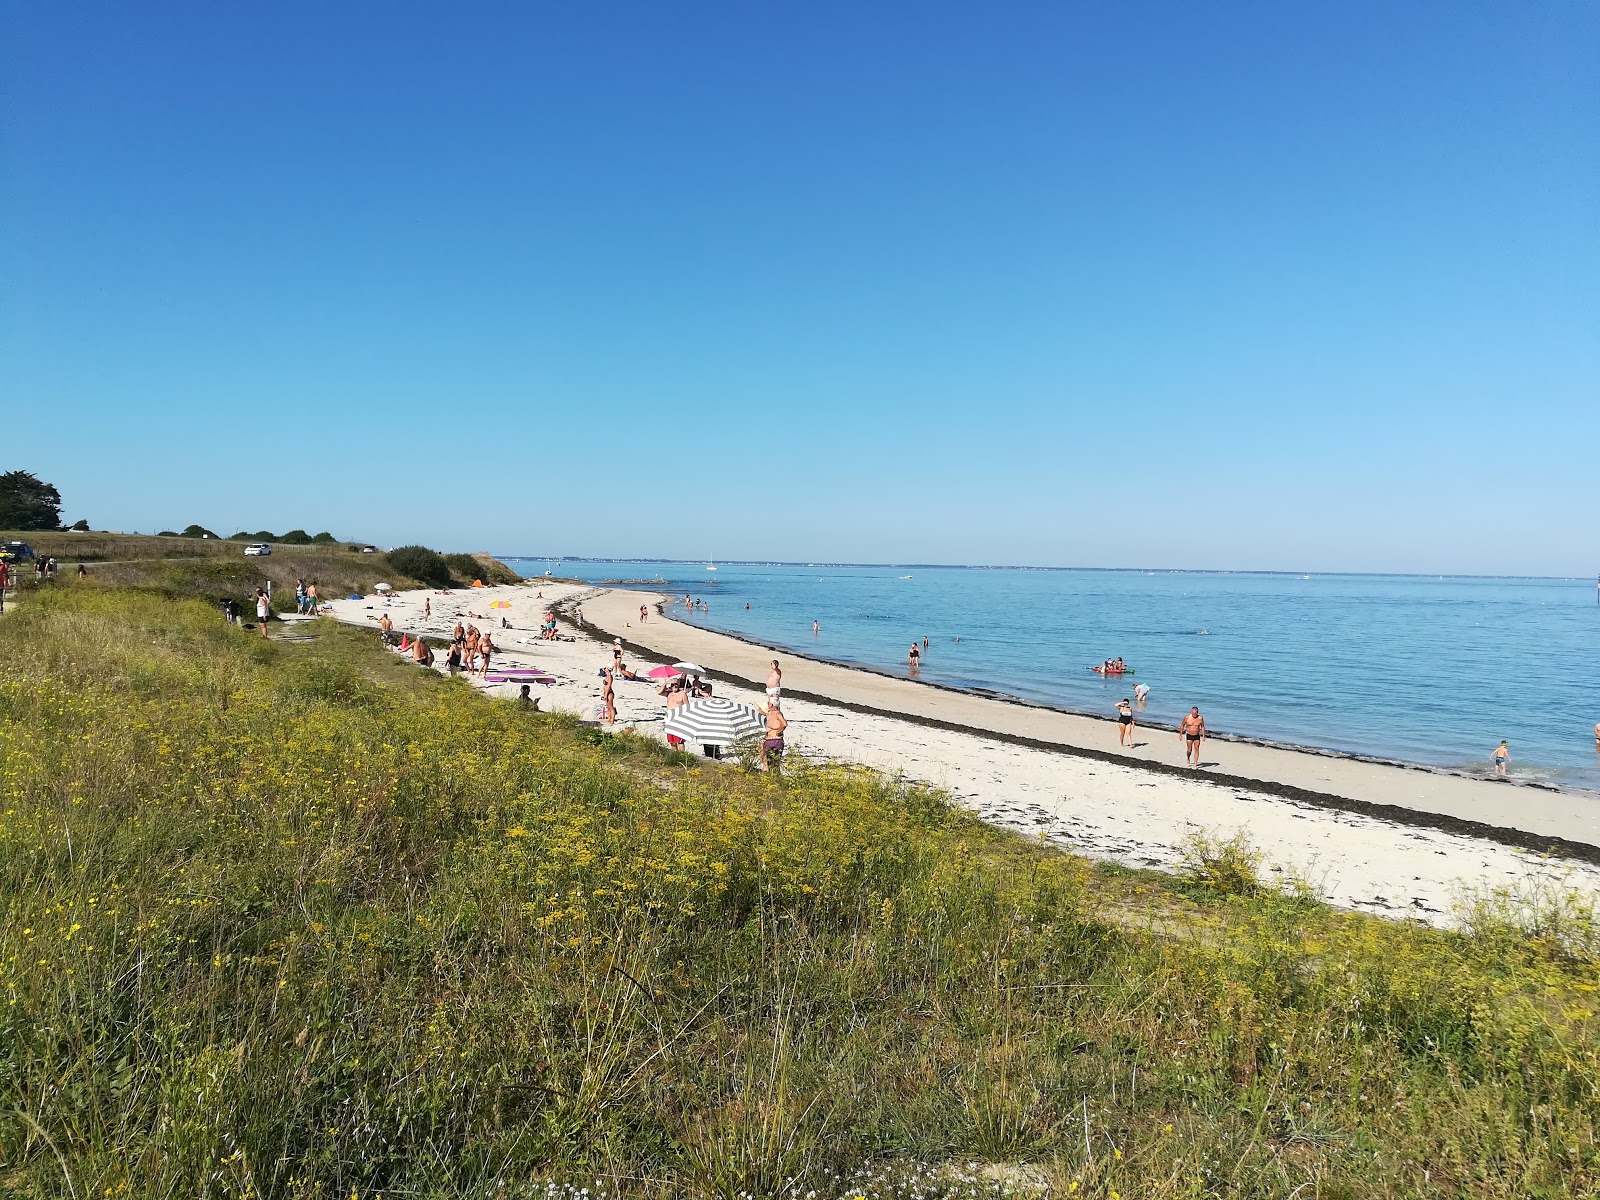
712, 565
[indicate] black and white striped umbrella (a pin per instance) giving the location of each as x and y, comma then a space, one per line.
714, 721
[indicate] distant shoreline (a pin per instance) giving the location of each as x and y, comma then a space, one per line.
909, 566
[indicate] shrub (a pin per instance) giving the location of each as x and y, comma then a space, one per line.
1229, 867
79, 526
261, 535
324, 538
464, 567
169, 533
421, 563
196, 531
296, 537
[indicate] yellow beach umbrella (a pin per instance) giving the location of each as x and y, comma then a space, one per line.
501, 604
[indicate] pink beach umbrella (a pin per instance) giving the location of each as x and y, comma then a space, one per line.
663, 672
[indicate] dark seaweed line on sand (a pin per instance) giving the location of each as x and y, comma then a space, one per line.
1393, 813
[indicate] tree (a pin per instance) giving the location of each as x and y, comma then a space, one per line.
79, 526
262, 535
28, 502
296, 537
324, 538
197, 531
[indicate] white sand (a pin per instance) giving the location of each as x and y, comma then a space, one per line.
1118, 811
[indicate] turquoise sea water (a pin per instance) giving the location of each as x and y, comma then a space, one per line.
1421, 669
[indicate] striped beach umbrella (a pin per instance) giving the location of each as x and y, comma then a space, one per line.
714, 721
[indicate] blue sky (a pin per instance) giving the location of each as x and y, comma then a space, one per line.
1223, 285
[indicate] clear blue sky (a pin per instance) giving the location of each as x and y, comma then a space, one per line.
1199, 285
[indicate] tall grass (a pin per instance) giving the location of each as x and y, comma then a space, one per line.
297, 920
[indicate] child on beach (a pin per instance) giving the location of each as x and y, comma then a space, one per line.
1502, 755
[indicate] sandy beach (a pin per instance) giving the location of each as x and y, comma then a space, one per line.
1370, 836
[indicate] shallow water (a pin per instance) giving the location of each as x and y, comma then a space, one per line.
1421, 669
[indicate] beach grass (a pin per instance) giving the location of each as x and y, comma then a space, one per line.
302, 920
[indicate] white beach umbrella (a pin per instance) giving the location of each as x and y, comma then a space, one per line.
714, 721
690, 668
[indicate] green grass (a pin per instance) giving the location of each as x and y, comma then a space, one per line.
298, 920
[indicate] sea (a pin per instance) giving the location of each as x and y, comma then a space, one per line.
1428, 670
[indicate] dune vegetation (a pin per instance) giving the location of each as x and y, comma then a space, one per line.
301, 920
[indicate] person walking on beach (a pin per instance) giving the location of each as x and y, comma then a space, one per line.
608, 700
772, 747
427, 608
1124, 722
486, 647
263, 610
644, 614
774, 681
1502, 755
1192, 729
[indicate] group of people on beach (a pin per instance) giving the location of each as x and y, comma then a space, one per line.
471, 650
1191, 729
305, 597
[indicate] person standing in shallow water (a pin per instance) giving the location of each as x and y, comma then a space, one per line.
816, 628
1502, 756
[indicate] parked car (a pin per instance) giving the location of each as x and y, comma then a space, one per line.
19, 551
257, 550
369, 549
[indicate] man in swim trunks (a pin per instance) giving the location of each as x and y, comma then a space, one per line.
774, 682
1502, 755
772, 747
1124, 722
1192, 729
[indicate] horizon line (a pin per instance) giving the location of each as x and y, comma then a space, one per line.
739, 562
